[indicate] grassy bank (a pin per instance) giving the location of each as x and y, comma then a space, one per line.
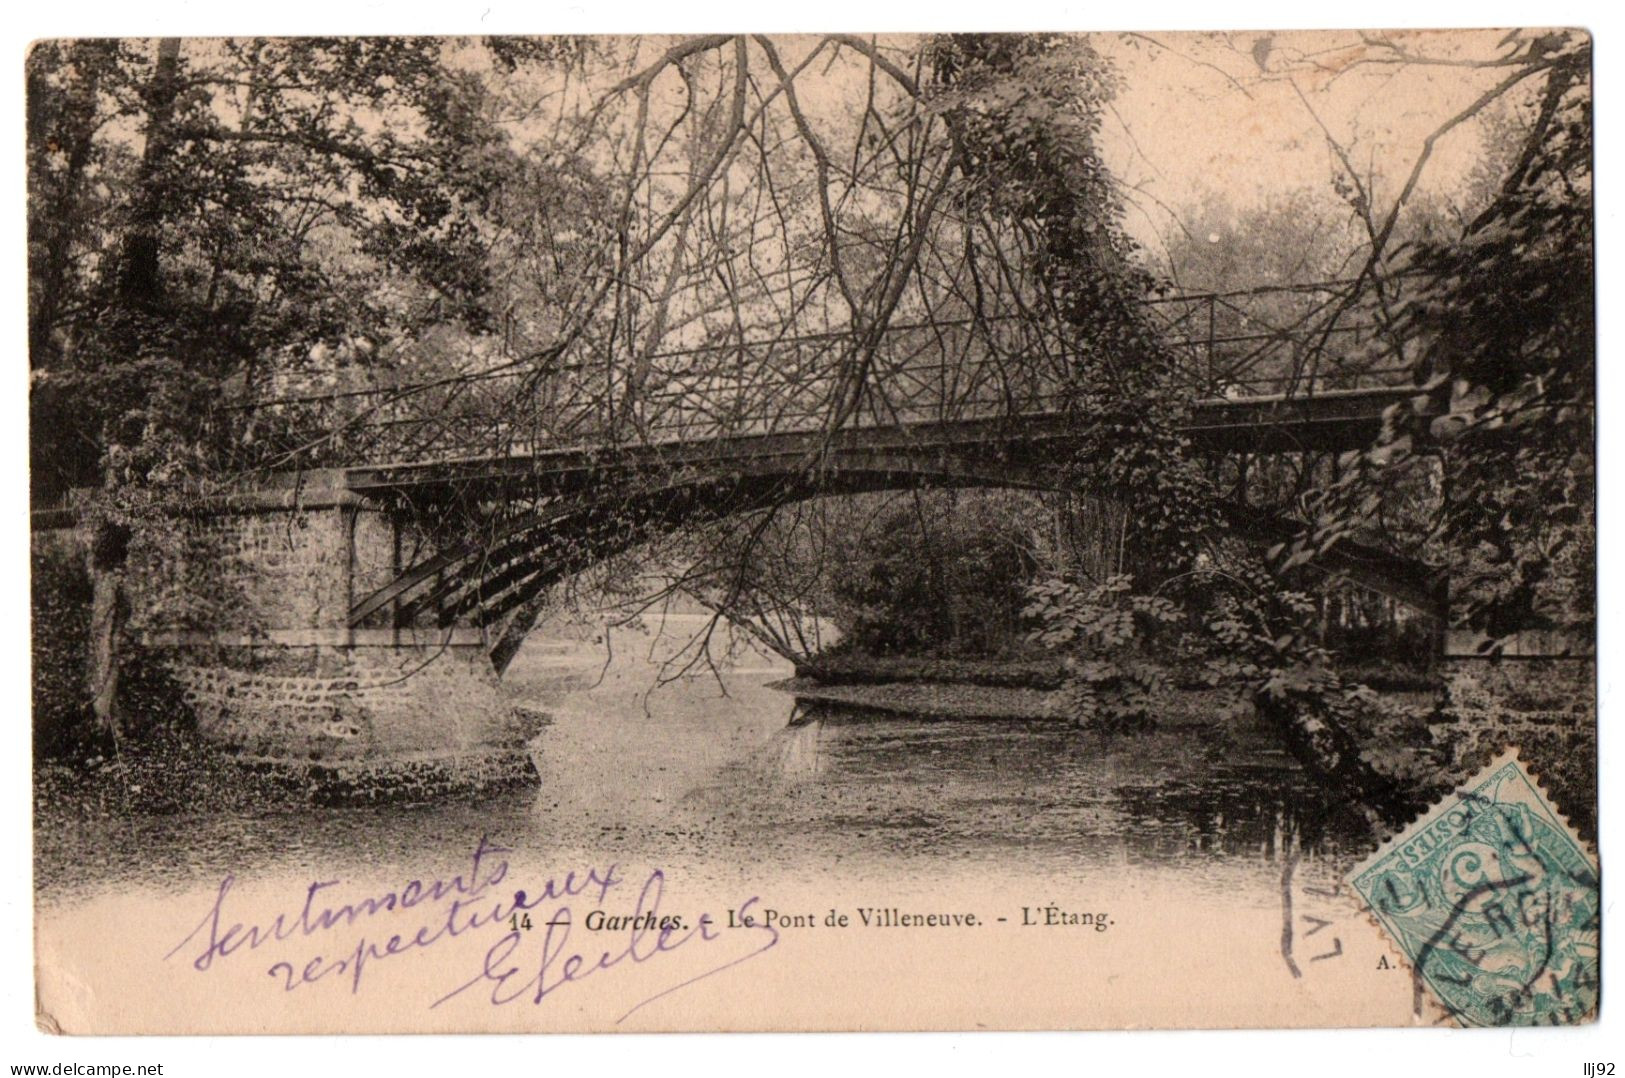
939, 699
858, 668
954, 699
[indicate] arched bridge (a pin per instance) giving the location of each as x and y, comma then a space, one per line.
587, 503
461, 499
390, 545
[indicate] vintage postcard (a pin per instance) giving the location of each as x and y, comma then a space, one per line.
813, 532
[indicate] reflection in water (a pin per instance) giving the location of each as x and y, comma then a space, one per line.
1016, 791
703, 773
795, 748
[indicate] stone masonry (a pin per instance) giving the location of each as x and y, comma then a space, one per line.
277, 677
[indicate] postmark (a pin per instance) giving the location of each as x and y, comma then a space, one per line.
1495, 902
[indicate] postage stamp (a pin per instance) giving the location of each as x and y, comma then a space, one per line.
1495, 902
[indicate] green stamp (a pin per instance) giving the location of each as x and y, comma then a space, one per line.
1495, 902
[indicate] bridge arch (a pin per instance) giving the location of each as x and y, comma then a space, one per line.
499, 582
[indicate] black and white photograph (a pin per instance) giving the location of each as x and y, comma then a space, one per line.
812, 532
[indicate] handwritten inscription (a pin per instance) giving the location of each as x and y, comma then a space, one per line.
528, 940
335, 937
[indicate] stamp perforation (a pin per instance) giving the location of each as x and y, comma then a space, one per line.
1438, 873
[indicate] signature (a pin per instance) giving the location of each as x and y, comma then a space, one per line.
557, 965
423, 913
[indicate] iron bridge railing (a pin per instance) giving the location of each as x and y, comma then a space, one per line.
1290, 341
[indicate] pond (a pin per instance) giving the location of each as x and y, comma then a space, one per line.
715, 770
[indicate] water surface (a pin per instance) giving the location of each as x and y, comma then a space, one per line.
725, 775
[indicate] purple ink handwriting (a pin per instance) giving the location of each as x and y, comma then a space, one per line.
334, 935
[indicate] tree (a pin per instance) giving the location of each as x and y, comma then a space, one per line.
1297, 238
930, 235
940, 574
1504, 316
199, 209
1508, 312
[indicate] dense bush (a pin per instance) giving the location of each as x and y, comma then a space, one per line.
60, 595
941, 575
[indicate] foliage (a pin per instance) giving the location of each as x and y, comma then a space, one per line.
1506, 313
59, 587
169, 771
197, 208
1276, 277
1244, 637
1029, 111
1547, 708
1499, 323
1256, 642
699, 245
933, 575
1295, 239
63, 724
1123, 397
1118, 676
1510, 315
1267, 649
1025, 111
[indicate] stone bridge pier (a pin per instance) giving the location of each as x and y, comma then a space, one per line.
280, 680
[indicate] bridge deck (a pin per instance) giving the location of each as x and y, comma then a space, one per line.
1328, 421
